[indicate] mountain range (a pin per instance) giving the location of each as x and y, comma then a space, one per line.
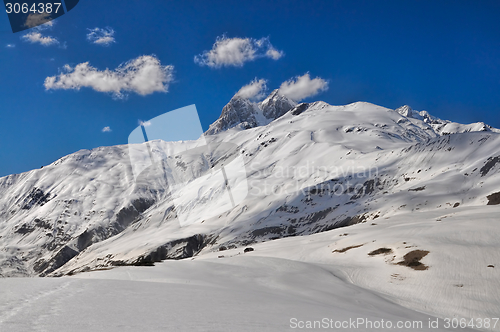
309, 168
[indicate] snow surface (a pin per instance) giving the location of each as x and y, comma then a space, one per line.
403, 181
297, 277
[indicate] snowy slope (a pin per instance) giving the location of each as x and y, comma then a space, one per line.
459, 276
328, 275
315, 168
313, 179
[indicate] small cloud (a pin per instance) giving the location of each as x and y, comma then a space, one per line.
10, 45
255, 90
41, 21
104, 37
144, 123
236, 51
36, 37
143, 75
274, 53
106, 129
301, 87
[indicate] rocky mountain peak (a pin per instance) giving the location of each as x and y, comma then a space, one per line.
276, 105
407, 111
247, 114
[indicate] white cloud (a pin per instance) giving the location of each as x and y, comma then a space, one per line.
301, 87
255, 90
104, 37
36, 37
39, 23
10, 45
144, 123
274, 53
237, 51
106, 129
143, 75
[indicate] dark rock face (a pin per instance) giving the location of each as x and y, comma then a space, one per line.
276, 105
489, 165
380, 251
25, 229
124, 217
129, 214
178, 249
237, 111
84, 240
299, 109
62, 257
35, 197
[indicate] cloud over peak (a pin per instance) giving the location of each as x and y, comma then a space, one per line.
104, 37
255, 90
143, 75
301, 87
236, 51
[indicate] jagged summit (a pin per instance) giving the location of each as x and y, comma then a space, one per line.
246, 114
239, 111
442, 127
409, 112
276, 105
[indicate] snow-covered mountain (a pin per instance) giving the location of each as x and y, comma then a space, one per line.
310, 168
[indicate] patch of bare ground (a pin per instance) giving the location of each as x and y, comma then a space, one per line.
493, 199
346, 248
412, 260
380, 251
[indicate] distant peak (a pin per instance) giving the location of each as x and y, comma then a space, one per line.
407, 111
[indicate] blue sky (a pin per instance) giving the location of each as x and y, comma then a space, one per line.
439, 56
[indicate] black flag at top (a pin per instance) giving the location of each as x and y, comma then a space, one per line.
26, 14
